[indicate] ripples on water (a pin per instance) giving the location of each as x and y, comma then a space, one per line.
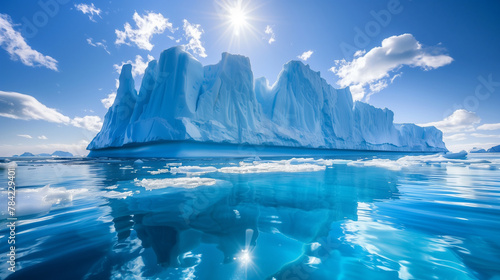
393, 217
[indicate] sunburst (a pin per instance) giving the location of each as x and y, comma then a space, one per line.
238, 21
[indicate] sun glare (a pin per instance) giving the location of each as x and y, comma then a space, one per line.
237, 22
237, 18
244, 257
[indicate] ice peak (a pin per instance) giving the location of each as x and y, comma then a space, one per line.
295, 69
175, 49
234, 57
126, 72
152, 64
295, 63
126, 87
298, 65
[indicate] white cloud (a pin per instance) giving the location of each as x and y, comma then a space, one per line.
90, 123
193, 32
147, 26
101, 44
376, 87
138, 66
459, 121
305, 55
481, 135
25, 136
489, 126
459, 131
456, 137
173, 39
14, 43
25, 107
91, 10
108, 101
359, 53
42, 137
373, 71
269, 31
396, 76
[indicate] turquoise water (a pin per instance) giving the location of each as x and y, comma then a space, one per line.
372, 216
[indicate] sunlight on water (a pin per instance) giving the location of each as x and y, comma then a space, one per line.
356, 217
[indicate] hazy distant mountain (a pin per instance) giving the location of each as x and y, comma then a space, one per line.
54, 154
495, 149
477, 150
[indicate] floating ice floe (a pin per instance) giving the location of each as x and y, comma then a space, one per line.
313, 165
189, 182
436, 160
459, 155
126, 167
291, 165
6, 165
482, 166
159, 171
116, 194
31, 201
193, 170
256, 165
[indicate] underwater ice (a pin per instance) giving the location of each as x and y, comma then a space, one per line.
181, 100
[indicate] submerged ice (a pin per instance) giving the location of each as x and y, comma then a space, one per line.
181, 100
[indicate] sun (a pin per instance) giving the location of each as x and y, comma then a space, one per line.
238, 18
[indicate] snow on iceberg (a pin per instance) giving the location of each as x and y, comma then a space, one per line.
182, 101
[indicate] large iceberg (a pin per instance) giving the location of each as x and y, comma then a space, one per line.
184, 104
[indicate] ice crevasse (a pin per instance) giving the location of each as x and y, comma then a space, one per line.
182, 100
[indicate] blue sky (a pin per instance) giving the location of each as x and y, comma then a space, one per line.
430, 62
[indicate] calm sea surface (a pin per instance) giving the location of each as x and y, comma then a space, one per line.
360, 216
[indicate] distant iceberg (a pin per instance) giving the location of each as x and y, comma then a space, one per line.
495, 149
182, 101
477, 150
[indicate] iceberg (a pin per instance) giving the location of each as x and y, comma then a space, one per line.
62, 154
222, 110
495, 149
477, 150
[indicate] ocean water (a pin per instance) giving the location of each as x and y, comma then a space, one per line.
360, 216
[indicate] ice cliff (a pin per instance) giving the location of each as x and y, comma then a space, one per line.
180, 99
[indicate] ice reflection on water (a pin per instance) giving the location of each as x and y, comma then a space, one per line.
332, 221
